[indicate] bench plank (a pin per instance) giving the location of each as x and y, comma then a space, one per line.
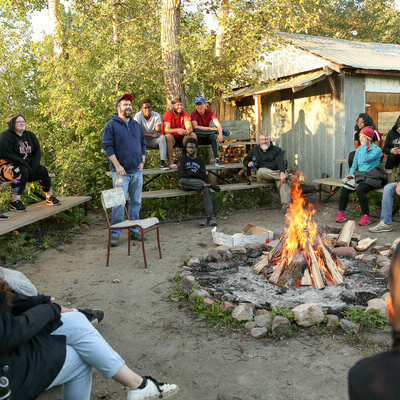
39, 211
159, 194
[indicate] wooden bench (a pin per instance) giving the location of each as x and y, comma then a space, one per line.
38, 212
335, 183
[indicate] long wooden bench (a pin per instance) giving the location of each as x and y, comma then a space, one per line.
38, 212
335, 183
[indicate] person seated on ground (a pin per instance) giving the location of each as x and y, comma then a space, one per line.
43, 344
270, 166
21, 285
206, 134
192, 175
363, 120
377, 377
389, 191
20, 162
150, 122
177, 128
365, 175
392, 149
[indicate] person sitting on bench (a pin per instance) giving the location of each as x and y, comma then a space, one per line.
389, 191
192, 175
206, 134
365, 175
20, 162
270, 166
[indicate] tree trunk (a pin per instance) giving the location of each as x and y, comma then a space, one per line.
170, 47
219, 47
55, 19
116, 40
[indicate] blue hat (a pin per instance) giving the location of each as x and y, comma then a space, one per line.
199, 100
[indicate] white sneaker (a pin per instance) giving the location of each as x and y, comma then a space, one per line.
381, 227
153, 390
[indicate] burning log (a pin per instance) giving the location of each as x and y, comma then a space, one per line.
293, 271
277, 272
276, 250
315, 270
336, 276
261, 264
306, 279
346, 233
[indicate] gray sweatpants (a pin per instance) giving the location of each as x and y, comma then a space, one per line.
158, 143
198, 184
268, 175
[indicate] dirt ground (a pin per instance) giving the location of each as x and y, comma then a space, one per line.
159, 338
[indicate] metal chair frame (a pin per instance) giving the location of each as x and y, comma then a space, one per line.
115, 197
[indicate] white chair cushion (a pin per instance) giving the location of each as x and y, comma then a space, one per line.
143, 223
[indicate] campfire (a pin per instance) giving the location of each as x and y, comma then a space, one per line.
301, 257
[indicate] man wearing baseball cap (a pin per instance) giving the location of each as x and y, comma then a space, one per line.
125, 145
201, 119
366, 175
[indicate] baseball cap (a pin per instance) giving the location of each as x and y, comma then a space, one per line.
199, 100
125, 96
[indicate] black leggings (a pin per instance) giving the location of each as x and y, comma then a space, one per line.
361, 190
208, 137
393, 160
21, 175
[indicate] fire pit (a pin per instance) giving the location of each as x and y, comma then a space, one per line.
300, 257
299, 269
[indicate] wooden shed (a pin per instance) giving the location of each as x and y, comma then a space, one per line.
318, 86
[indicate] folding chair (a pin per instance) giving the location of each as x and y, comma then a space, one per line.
115, 197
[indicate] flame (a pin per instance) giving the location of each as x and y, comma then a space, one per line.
301, 227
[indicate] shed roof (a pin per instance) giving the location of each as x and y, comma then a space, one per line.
363, 55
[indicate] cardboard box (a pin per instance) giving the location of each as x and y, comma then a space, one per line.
250, 234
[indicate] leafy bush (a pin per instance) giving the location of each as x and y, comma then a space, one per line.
373, 319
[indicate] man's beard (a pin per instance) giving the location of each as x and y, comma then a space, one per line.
127, 113
264, 147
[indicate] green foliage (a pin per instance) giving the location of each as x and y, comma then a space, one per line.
58, 229
213, 314
374, 319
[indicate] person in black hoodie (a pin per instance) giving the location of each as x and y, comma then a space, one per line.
20, 162
392, 149
43, 344
377, 377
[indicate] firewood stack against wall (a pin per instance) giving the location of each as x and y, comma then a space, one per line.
300, 257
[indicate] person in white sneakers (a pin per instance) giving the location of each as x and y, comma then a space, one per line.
43, 344
389, 191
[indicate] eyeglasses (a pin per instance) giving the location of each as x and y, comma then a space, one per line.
20, 122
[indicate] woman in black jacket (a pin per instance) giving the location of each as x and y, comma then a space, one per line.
392, 149
43, 344
20, 162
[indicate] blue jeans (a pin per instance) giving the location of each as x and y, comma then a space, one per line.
86, 348
132, 184
387, 202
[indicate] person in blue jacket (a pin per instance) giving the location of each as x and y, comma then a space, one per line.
365, 175
124, 142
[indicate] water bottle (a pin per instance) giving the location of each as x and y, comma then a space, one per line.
5, 391
254, 160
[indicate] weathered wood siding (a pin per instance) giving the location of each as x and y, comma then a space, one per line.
312, 127
382, 84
